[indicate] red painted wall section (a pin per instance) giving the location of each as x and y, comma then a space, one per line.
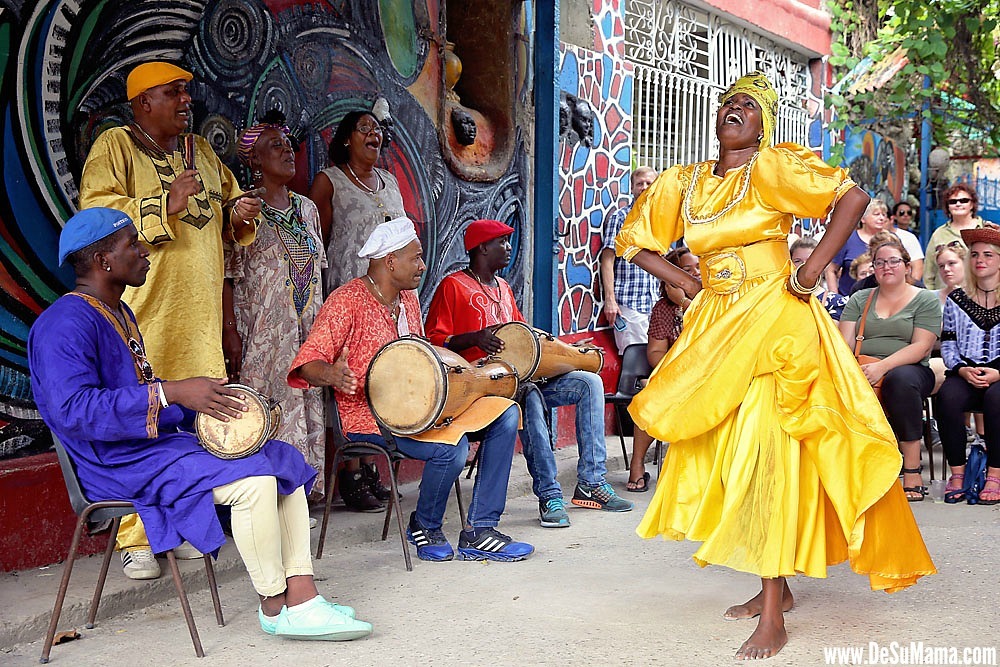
36, 520
801, 22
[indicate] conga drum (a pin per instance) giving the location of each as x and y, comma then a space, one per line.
241, 437
537, 355
413, 386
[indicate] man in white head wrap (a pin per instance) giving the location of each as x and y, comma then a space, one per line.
356, 321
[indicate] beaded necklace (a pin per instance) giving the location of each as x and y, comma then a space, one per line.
689, 193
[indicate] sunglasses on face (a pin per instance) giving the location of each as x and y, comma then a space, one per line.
888, 261
949, 244
907, 214
368, 129
959, 200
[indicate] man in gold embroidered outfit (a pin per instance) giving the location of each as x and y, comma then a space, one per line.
173, 186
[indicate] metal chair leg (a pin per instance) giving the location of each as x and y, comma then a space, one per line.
394, 504
459, 499
331, 489
393, 475
213, 588
103, 576
621, 433
63, 587
185, 606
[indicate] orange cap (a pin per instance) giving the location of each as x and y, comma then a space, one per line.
150, 75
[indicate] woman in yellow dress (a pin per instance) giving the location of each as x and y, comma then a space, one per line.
781, 461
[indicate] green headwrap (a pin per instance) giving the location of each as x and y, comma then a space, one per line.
756, 85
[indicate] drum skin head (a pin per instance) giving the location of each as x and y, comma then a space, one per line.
238, 437
520, 348
407, 402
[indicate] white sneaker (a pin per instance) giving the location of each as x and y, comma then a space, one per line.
187, 552
313, 522
140, 564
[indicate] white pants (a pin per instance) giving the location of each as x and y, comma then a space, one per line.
271, 531
636, 327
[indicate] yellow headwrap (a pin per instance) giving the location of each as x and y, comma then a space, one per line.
756, 85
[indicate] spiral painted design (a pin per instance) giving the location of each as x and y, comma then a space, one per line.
221, 134
235, 38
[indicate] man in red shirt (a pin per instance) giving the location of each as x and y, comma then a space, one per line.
356, 320
466, 310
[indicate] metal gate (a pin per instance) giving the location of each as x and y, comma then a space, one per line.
684, 57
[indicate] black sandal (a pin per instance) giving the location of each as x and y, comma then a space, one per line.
922, 490
640, 485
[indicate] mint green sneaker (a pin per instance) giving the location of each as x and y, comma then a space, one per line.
268, 625
318, 620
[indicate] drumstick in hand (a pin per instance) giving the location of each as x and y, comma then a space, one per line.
341, 376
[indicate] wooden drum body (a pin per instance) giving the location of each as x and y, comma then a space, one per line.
414, 386
240, 437
537, 355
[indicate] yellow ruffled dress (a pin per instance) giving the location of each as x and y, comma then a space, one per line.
781, 461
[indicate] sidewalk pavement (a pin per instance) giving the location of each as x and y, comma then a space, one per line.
592, 592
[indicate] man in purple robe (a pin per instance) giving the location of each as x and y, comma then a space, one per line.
129, 435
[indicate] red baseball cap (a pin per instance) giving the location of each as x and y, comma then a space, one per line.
483, 231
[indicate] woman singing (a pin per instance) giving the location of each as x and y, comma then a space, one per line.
781, 461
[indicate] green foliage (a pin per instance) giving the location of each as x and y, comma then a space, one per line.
951, 44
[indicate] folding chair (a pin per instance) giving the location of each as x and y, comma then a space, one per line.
635, 368
114, 510
343, 449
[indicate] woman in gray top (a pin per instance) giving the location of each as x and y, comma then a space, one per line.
353, 195
900, 329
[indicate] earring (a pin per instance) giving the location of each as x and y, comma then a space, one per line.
257, 174
760, 137
107, 268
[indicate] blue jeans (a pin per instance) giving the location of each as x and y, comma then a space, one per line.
586, 391
444, 463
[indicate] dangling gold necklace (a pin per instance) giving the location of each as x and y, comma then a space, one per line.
393, 307
482, 285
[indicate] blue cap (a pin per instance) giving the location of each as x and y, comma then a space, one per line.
89, 226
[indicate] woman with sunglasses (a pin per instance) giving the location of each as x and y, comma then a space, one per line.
960, 204
353, 197
970, 347
899, 225
900, 327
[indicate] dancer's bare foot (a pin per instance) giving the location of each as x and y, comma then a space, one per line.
765, 642
751, 608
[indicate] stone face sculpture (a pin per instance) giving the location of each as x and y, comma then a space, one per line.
576, 120
583, 121
464, 125
564, 115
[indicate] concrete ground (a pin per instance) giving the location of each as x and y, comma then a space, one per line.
592, 593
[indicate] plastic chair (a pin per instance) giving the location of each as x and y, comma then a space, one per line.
112, 510
635, 368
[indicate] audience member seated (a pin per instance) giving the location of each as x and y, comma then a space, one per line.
129, 435
959, 203
801, 250
950, 261
970, 347
356, 320
466, 309
874, 220
901, 326
665, 324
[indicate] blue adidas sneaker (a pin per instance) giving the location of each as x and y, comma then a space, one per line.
490, 544
431, 544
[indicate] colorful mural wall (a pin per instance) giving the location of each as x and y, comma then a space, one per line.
877, 164
63, 64
593, 180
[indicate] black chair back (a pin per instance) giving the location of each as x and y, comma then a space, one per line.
635, 367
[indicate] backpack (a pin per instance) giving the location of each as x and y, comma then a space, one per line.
975, 474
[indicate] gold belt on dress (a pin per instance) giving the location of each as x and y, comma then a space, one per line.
725, 271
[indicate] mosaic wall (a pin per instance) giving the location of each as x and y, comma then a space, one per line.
593, 180
877, 164
63, 83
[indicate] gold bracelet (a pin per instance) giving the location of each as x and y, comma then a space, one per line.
797, 287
